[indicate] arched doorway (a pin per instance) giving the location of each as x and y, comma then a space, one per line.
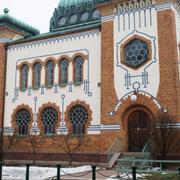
139, 125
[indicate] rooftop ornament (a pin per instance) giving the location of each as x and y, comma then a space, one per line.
6, 10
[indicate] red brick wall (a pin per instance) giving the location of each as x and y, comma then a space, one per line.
2, 77
168, 93
108, 94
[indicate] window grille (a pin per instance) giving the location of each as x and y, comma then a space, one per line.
49, 118
24, 76
50, 73
23, 119
78, 116
64, 71
37, 75
78, 74
136, 52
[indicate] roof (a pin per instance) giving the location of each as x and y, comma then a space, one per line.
77, 13
15, 24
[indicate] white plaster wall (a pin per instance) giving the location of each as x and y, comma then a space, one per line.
86, 43
145, 25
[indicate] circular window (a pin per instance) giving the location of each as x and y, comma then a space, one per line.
49, 117
73, 18
62, 21
84, 16
96, 14
23, 119
78, 116
136, 52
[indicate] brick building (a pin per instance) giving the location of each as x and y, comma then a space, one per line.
104, 69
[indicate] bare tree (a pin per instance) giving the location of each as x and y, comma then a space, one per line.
165, 136
7, 144
33, 141
70, 145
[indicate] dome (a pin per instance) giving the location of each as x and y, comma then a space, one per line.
75, 14
66, 3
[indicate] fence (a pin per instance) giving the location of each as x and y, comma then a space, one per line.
58, 176
145, 166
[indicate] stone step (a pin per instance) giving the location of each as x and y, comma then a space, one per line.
125, 166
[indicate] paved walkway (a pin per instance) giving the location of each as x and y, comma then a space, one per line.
100, 175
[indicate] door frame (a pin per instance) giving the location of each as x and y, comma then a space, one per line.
126, 115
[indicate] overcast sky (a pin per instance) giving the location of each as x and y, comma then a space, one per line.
37, 13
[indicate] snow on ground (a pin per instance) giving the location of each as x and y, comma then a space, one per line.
38, 173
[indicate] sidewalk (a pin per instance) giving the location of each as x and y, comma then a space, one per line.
100, 175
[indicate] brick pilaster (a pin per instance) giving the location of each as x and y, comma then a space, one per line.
168, 93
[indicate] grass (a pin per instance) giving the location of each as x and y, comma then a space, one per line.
162, 177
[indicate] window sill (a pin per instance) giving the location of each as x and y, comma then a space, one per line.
22, 136
23, 89
77, 83
49, 86
36, 87
62, 84
49, 135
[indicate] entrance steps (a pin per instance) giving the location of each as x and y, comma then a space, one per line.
126, 166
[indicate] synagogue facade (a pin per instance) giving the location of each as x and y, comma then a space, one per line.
102, 72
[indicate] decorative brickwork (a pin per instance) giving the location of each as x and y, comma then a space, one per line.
13, 116
67, 118
85, 57
50, 59
39, 121
122, 50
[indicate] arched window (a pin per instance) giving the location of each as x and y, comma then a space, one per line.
37, 75
49, 117
22, 120
24, 77
50, 73
78, 116
78, 69
63, 71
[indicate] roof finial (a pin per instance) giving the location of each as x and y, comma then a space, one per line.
6, 10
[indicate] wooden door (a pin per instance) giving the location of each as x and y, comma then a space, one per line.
138, 130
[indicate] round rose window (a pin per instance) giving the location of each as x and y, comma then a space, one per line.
136, 53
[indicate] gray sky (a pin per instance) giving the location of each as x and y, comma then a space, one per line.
37, 13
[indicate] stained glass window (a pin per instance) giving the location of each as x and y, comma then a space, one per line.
37, 75
63, 71
22, 120
78, 116
78, 70
136, 52
50, 73
49, 118
24, 76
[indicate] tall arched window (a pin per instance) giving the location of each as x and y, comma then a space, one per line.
63, 71
50, 73
37, 75
22, 120
49, 117
78, 69
24, 77
78, 116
